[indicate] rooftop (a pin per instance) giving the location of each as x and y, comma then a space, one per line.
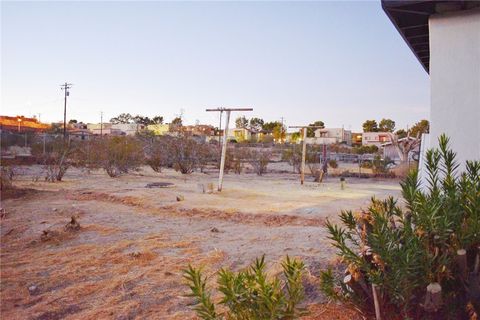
410, 17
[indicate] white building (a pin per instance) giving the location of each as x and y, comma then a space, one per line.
375, 138
333, 135
445, 37
129, 129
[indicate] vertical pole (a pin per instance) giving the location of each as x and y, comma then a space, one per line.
281, 132
376, 302
304, 151
224, 152
220, 129
65, 113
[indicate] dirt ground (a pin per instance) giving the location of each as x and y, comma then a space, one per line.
125, 262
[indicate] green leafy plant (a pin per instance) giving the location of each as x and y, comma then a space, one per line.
250, 294
381, 166
433, 241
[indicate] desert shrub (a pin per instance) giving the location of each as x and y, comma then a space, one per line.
315, 170
206, 153
365, 149
381, 166
116, 155
333, 164
433, 242
259, 160
187, 155
184, 155
318, 170
58, 157
293, 156
366, 164
6, 177
238, 157
250, 294
156, 155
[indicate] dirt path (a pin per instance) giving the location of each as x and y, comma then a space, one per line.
126, 260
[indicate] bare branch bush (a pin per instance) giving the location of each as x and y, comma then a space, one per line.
259, 160
116, 155
293, 156
157, 154
6, 177
187, 154
58, 157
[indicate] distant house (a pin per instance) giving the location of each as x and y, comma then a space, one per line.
375, 138
104, 129
247, 134
390, 151
159, 129
79, 134
129, 129
333, 135
198, 130
240, 134
22, 124
357, 138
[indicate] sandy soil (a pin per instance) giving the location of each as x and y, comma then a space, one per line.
126, 260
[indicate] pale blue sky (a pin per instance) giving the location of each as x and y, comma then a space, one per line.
340, 62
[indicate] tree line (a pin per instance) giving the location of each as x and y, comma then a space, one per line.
388, 125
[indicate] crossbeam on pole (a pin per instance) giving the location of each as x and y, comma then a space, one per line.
230, 109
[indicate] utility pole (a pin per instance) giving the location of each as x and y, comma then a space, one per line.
220, 129
65, 87
304, 148
281, 132
101, 123
225, 133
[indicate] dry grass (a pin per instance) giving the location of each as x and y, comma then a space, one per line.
232, 216
116, 267
96, 280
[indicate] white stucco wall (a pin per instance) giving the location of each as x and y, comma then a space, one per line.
455, 81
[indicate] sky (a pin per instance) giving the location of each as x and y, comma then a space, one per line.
339, 62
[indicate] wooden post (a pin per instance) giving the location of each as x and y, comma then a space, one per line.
224, 151
476, 266
462, 263
433, 298
376, 302
304, 151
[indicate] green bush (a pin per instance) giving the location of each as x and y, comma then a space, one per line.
404, 249
381, 166
250, 294
365, 149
